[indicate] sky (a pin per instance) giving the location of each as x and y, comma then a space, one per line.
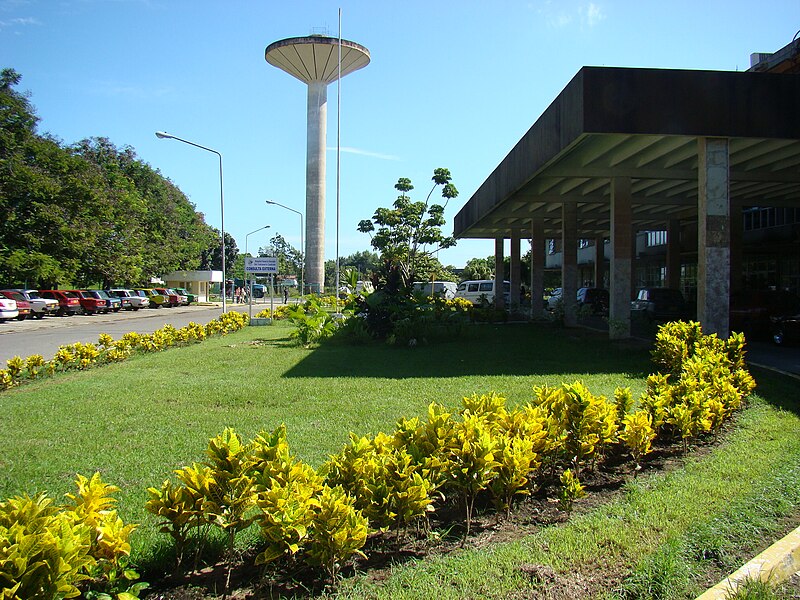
451, 84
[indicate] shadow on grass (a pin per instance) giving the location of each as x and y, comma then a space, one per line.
513, 349
776, 389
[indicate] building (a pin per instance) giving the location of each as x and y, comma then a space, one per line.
685, 178
195, 282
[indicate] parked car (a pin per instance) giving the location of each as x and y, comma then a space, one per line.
173, 299
112, 303
156, 300
786, 329
595, 298
554, 299
130, 300
189, 296
69, 303
8, 308
39, 306
444, 289
659, 304
183, 299
90, 304
755, 312
23, 306
481, 291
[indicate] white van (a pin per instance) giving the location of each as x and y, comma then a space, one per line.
445, 289
481, 291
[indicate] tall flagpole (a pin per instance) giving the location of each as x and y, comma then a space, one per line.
338, 148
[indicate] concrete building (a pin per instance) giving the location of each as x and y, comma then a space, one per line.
688, 161
196, 282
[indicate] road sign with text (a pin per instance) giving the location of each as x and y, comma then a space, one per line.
261, 264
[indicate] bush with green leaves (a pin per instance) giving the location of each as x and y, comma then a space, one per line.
49, 551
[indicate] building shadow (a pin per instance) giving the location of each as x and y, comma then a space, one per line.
515, 349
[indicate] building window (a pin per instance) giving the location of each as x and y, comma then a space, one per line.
656, 238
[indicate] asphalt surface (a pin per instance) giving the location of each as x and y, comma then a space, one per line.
44, 336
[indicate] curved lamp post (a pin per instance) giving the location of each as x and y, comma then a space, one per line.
246, 254
302, 247
167, 136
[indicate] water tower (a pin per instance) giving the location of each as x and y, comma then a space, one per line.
314, 60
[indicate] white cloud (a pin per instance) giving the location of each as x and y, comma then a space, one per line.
592, 14
19, 22
107, 88
360, 152
558, 15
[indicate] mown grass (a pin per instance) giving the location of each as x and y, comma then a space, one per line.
137, 421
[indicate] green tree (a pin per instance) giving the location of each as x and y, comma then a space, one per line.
211, 255
410, 233
478, 268
290, 259
86, 214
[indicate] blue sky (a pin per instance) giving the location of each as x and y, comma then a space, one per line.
451, 84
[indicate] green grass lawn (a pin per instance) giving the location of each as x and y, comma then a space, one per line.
139, 420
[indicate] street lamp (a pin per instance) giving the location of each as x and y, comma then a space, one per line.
246, 254
168, 136
302, 248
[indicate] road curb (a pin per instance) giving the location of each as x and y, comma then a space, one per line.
776, 564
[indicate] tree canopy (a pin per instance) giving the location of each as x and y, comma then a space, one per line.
89, 213
409, 234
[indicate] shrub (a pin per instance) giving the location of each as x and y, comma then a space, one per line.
49, 551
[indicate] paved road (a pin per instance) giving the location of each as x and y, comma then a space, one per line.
44, 336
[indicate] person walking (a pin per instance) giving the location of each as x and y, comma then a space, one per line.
285, 295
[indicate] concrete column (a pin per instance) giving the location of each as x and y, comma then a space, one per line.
674, 254
315, 185
569, 262
515, 276
737, 234
713, 235
599, 261
537, 266
499, 299
619, 310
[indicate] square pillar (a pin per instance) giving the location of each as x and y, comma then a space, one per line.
599, 261
713, 235
737, 235
514, 296
499, 299
537, 266
674, 254
619, 310
569, 262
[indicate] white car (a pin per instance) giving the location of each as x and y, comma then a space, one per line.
136, 301
481, 291
8, 308
445, 289
39, 306
554, 299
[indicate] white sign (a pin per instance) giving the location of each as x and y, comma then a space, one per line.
261, 264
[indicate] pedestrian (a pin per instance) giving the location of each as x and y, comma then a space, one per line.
286, 295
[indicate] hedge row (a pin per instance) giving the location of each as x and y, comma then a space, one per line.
107, 350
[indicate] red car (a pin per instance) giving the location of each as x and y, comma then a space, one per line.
23, 306
69, 303
173, 299
89, 303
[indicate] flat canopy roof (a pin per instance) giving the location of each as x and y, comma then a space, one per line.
644, 124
